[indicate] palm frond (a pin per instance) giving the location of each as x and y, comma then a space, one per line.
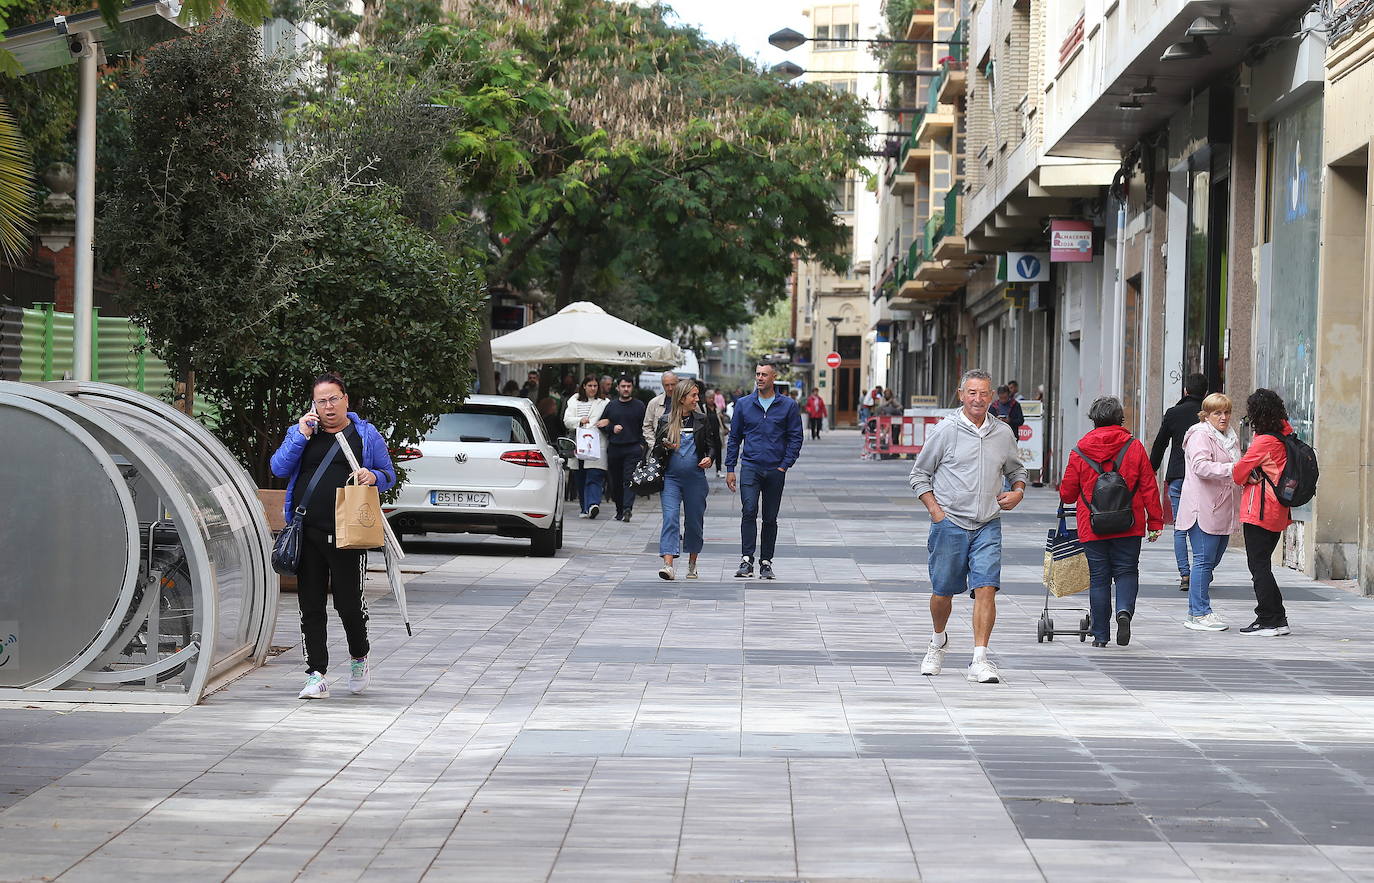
16, 188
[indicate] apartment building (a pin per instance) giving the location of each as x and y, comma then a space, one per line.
832, 311
920, 261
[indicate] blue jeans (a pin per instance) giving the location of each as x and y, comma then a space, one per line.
589, 484
753, 484
1207, 552
959, 559
1180, 536
1115, 560
684, 488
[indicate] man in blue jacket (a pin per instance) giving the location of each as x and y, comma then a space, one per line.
770, 427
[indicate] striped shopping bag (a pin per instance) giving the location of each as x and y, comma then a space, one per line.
1066, 565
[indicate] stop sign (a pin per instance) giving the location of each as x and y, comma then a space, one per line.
833, 360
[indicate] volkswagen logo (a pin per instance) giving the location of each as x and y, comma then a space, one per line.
461, 457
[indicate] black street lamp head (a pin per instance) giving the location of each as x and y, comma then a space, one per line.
787, 39
788, 70
1186, 51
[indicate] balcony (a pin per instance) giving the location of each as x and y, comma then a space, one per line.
953, 79
950, 246
915, 157
902, 184
936, 120
922, 24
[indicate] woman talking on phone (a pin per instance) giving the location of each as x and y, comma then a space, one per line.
310, 456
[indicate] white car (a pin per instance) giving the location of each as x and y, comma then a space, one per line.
487, 468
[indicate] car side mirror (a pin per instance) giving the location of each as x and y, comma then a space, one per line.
566, 447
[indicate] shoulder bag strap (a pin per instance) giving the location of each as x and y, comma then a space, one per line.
314, 481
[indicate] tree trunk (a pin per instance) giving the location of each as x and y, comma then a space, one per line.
185, 400
569, 257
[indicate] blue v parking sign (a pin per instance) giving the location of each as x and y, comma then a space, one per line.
1028, 266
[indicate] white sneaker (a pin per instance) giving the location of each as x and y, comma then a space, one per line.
984, 672
667, 572
934, 660
359, 675
1208, 622
315, 687
692, 571
583, 515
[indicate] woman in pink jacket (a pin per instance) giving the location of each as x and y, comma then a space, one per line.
1209, 506
1262, 515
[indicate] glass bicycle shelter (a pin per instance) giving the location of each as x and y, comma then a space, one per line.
134, 555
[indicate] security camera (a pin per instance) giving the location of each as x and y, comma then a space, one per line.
79, 45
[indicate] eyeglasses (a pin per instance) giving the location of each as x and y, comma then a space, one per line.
325, 403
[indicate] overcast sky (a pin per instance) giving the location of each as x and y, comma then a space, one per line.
746, 23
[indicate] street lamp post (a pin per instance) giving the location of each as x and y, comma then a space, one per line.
834, 372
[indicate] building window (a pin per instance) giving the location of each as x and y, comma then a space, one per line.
844, 196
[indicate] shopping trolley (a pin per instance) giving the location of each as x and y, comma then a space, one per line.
1066, 573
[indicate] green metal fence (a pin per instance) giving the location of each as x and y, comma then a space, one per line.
44, 347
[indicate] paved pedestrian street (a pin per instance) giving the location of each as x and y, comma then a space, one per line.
578, 718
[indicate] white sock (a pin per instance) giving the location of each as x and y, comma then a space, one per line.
938, 639
980, 654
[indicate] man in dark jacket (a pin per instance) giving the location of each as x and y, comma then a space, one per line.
1177, 421
770, 427
625, 448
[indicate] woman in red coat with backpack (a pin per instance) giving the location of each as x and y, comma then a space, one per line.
1113, 555
1262, 517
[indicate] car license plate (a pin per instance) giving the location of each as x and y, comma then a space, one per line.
465, 499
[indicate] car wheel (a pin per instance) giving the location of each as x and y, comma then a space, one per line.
544, 541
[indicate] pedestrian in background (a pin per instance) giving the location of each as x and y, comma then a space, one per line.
765, 440
1112, 557
585, 409
654, 409
311, 449
624, 416
867, 404
958, 477
1008, 410
607, 387
1177, 421
815, 413
1263, 517
1209, 505
687, 442
721, 428
531, 388
548, 415
1015, 389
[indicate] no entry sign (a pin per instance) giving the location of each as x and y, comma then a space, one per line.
833, 360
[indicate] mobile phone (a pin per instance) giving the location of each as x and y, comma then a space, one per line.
309, 413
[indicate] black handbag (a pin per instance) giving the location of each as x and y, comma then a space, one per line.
286, 548
647, 478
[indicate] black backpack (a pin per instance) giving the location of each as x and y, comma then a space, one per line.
1110, 510
1297, 484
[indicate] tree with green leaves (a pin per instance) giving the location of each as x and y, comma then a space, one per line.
610, 155
253, 268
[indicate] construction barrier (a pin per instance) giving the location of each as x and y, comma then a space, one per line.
887, 435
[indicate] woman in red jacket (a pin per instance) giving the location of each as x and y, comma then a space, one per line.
1263, 518
1113, 557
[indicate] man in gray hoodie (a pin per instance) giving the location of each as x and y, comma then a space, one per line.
958, 476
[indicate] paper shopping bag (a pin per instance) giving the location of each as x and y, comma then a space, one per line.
588, 443
358, 517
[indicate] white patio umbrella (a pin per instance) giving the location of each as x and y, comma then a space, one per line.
583, 332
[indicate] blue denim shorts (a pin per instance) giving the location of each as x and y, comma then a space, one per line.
959, 559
